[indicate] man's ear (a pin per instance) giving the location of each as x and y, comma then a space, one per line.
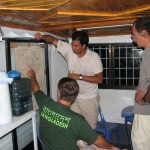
84, 46
144, 33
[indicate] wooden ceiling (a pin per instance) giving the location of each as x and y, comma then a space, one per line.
62, 17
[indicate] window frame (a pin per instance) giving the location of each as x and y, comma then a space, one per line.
111, 67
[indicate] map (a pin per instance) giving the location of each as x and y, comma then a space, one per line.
34, 55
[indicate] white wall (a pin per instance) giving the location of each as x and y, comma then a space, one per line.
112, 101
17, 33
111, 39
58, 69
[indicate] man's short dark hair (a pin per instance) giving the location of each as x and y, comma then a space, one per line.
142, 23
81, 36
68, 89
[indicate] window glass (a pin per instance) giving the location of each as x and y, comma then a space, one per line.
121, 64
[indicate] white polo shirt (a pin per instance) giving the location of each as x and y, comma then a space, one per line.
90, 64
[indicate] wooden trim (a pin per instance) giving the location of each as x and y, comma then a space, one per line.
103, 13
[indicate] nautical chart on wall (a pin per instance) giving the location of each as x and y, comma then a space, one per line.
32, 54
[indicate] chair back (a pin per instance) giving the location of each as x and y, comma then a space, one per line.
101, 115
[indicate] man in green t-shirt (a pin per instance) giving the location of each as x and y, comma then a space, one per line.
60, 127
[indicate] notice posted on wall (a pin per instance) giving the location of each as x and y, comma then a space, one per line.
30, 55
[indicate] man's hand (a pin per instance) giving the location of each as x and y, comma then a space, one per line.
31, 73
139, 97
38, 36
100, 142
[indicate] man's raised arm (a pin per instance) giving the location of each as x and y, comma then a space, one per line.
34, 83
47, 38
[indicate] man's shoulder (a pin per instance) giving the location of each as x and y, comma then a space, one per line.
40, 94
91, 52
77, 116
93, 55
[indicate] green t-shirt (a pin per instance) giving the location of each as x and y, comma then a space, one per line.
60, 127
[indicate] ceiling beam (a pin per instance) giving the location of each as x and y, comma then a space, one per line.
104, 14
18, 26
86, 25
30, 5
24, 8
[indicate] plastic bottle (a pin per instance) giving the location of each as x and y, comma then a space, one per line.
5, 104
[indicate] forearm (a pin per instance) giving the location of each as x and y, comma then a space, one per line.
93, 79
34, 85
102, 143
98, 78
50, 39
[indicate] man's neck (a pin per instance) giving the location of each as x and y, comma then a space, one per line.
64, 102
82, 54
147, 42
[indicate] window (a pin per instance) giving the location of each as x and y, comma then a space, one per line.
120, 64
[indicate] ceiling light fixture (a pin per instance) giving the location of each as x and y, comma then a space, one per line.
103, 27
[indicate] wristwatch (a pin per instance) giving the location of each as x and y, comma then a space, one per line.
80, 76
